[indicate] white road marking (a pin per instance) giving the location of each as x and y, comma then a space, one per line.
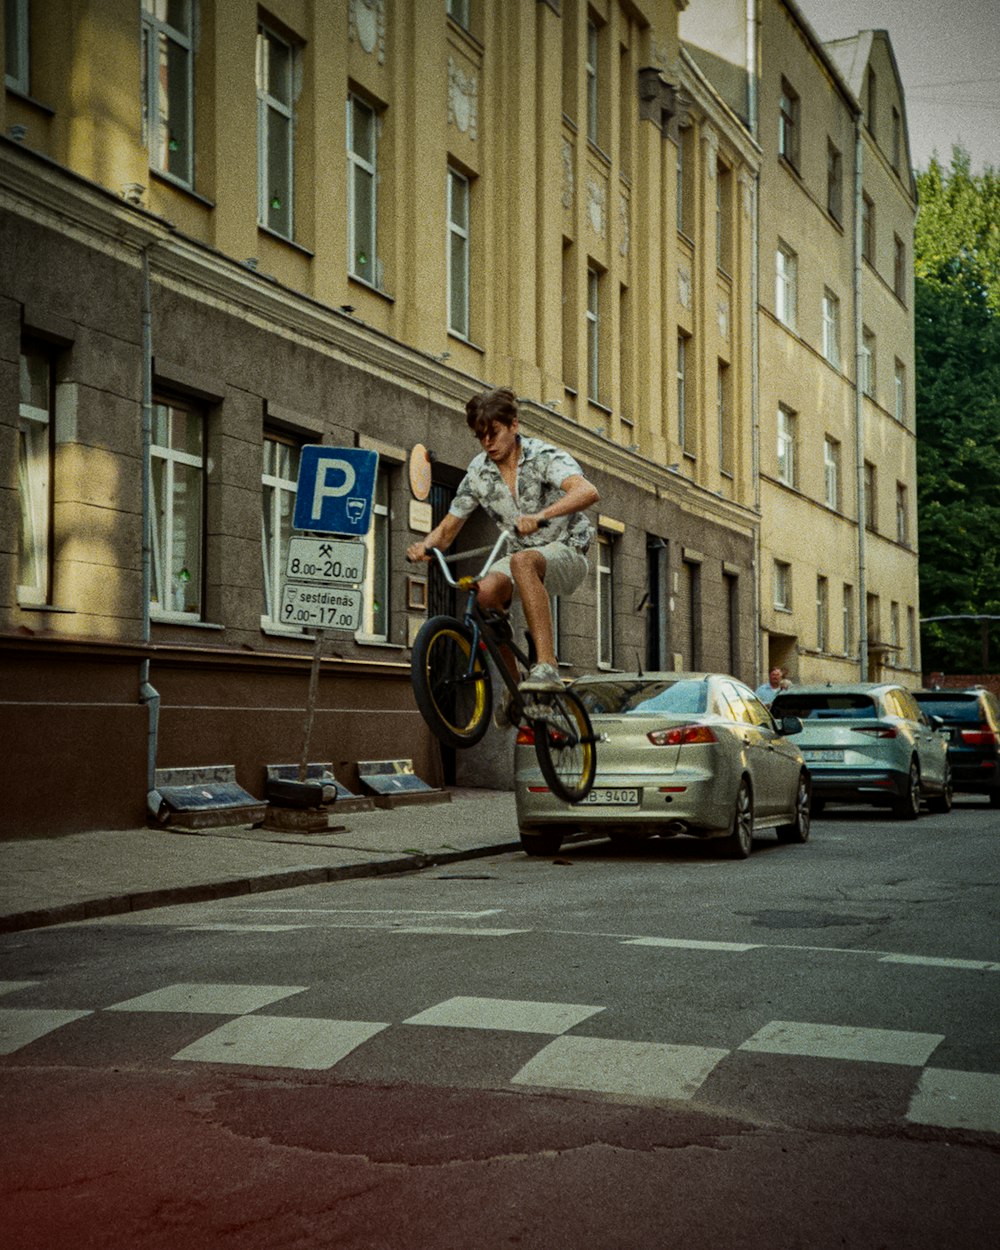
632, 1070
11, 987
209, 999
509, 1015
375, 911
21, 1025
242, 928
281, 1042
838, 1041
948, 1099
444, 929
691, 944
931, 961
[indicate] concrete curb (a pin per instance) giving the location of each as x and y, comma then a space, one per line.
259, 883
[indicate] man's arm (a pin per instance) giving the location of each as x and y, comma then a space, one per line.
578, 495
443, 535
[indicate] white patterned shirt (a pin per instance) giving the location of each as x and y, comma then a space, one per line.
541, 471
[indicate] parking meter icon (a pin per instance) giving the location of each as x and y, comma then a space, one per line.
356, 508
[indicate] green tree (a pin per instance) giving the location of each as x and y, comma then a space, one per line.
957, 273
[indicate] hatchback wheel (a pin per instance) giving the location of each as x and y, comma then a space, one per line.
942, 802
798, 830
907, 807
739, 843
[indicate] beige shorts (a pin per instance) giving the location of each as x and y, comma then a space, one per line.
565, 567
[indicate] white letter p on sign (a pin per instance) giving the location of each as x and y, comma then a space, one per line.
322, 490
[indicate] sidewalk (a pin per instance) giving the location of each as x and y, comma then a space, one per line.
46, 881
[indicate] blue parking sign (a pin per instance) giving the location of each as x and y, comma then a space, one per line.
336, 490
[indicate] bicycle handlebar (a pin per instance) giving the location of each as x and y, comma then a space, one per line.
491, 554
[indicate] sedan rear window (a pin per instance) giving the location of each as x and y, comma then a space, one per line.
824, 706
951, 709
644, 698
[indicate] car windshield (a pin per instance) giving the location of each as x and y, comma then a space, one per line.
641, 697
824, 706
952, 708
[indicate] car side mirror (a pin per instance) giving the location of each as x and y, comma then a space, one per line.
789, 725
937, 723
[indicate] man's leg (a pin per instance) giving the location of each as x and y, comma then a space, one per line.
528, 569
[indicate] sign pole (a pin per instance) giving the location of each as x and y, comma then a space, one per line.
311, 702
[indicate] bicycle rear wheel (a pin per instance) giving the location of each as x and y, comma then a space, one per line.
564, 745
453, 696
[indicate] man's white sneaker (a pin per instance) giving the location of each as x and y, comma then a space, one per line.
543, 679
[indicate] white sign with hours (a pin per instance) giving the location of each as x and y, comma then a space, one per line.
321, 607
327, 560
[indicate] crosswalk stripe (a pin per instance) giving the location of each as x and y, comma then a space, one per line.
281, 1042
947, 1099
634, 1070
507, 1015
838, 1041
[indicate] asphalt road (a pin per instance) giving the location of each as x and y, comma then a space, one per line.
651, 1048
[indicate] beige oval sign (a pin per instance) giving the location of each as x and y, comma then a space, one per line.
420, 472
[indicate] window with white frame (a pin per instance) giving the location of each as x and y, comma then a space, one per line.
899, 392
278, 485
605, 600
275, 138
458, 253
902, 514
896, 653
682, 396
723, 217
822, 614
871, 496
848, 619
831, 328
375, 619
786, 285
831, 473
834, 181
868, 228
868, 362
786, 445
17, 45
362, 172
911, 638
788, 124
782, 586
177, 515
168, 87
723, 404
458, 11
685, 179
593, 112
34, 477
594, 334
899, 268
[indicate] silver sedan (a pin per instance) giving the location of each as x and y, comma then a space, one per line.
677, 753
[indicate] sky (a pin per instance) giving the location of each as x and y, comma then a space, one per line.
948, 54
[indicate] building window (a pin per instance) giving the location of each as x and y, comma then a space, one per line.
786, 446
782, 586
723, 404
275, 166
593, 111
278, 484
822, 614
168, 87
868, 228
873, 618
788, 125
900, 392
894, 635
871, 497
17, 45
685, 180
594, 334
34, 477
723, 218
897, 139
911, 639
831, 473
834, 182
458, 253
605, 600
868, 362
831, 328
362, 125
902, 515
786, 285
692, 590
375, 622
458, 11
682, 406
872, 101
178, 489
626, 355
848, 619
899, 268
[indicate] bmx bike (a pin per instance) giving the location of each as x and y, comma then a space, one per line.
452, 687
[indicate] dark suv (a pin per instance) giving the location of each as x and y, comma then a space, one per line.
973, 720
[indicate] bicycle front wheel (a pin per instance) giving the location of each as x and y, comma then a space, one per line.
450, 684
564, 745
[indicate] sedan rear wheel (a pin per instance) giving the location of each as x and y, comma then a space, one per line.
907, 807
739, 843
798, 830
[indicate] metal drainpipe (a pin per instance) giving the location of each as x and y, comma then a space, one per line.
859, 410
147, 693
752, 121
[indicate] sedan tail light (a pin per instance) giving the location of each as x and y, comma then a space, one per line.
681, 735
981, 737
879, 731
